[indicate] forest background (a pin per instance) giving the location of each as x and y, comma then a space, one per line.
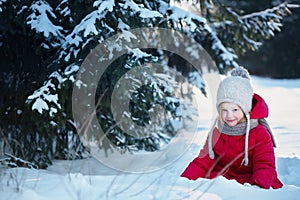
43, 44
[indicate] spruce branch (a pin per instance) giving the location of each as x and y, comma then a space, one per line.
247, 32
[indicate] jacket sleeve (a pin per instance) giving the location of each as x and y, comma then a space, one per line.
264, 170
200, 166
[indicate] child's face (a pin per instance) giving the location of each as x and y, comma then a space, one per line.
231, 113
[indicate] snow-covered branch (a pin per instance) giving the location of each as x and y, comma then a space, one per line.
245, 32
40, 22
268, 21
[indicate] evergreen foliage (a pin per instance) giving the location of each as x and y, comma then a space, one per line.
279, 56
43, 44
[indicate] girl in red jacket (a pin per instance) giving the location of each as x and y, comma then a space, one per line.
240, 144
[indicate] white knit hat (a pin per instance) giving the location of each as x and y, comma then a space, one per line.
235, 89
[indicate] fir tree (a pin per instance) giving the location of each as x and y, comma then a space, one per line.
44, 43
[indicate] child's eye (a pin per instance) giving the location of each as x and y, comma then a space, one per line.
235, 110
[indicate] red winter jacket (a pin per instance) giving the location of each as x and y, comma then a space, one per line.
229, 154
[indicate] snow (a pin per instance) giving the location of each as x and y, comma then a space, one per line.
160, 179
40, 105
1, 2
39, 19
64, 11
87, 26
145, 13
42, 97
104, 5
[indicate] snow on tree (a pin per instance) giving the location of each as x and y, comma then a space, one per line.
55, 38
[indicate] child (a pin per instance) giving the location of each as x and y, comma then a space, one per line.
240, 145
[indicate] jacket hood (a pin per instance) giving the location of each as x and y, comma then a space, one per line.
259, 107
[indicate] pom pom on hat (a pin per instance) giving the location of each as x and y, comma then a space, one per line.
240, 71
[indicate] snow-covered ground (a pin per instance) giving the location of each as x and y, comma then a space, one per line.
91, 179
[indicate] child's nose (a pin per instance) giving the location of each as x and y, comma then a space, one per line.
229, 114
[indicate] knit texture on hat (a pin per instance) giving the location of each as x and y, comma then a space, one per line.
236, 89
